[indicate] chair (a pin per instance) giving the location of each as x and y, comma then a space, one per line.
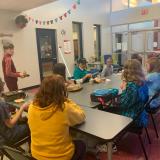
17, 145
14, 154
133, 128
138, 131
152, 111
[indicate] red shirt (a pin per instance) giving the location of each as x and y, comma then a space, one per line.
10, 73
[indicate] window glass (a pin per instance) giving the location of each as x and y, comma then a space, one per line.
121, 28
142, 25
119, 5
139, 3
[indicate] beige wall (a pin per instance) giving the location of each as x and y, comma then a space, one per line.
133, 15
26, 57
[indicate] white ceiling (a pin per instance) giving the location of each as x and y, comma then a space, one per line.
22, 5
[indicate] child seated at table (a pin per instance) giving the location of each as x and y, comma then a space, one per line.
129, 103
50, 116
60, 69
108, 68
153, 79
80, 72
10, 131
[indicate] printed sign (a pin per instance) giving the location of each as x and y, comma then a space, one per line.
67, 46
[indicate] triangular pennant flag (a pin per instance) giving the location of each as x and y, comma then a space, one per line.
44, 22
61, 17
51, 21
74, 6
56, 20
48, 22
36, 21
78, 1
69, 11
65, 14
40, 22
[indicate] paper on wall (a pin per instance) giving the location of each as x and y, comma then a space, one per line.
119, 46
67, 46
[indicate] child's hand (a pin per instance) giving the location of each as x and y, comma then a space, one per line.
123, 85
25, 106
21, 75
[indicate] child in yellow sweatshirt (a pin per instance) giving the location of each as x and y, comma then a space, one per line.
50, 116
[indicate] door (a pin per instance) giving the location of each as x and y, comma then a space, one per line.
77, 40
47, 51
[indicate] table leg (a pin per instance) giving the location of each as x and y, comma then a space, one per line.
109, 152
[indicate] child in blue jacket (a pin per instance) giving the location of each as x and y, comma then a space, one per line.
153, 79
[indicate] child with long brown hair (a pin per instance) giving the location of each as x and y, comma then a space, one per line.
130, 103
49, 117
153, 79
60, 68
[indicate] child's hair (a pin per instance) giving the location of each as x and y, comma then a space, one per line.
133, 71
8, 46
60, 69
109, 59
82, 61
154, 64
52, 91
137, 57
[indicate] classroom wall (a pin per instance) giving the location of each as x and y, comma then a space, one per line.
134, 15
26, 56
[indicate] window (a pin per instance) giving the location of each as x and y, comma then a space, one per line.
119, 5
97, 41
139, 3
142, 25
120, 38
77, 40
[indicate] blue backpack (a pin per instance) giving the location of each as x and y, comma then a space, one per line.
107, 94
102, 92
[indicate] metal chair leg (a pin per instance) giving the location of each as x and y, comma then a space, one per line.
149, 140
154, 125
144, 151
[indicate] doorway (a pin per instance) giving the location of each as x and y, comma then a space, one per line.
77, 40
47, 51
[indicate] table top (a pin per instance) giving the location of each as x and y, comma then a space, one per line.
82, 97
29, 97
102, 124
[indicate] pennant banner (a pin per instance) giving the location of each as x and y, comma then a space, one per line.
54, 20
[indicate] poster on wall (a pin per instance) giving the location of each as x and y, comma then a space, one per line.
67, 46
124, 46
